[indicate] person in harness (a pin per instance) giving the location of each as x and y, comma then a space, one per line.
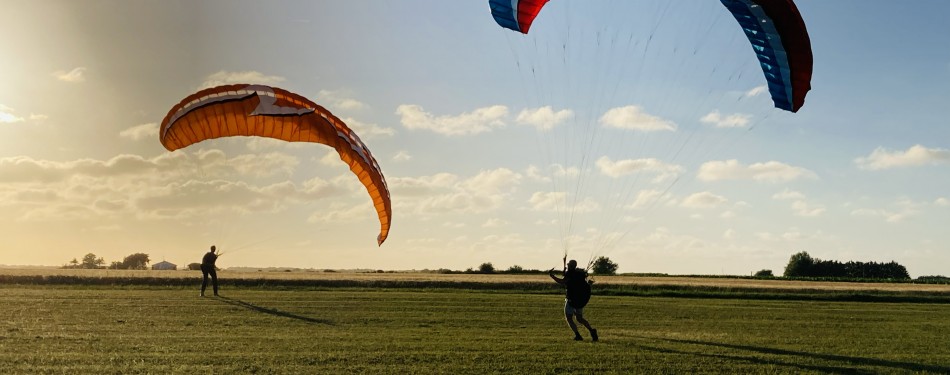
578, 294
208, 269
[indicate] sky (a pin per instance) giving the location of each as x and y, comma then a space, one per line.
636, 130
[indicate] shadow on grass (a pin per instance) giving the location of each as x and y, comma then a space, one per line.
274, 312
762, 361
849, 360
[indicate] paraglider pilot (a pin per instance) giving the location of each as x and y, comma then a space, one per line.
208, 268
578, 294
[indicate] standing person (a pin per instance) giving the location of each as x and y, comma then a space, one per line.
208, 268
578, 294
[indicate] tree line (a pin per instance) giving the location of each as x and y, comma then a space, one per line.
600, 266
803, 265
137, 261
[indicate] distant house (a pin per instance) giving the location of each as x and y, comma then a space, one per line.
163, 265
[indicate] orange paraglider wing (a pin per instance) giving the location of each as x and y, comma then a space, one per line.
263, 111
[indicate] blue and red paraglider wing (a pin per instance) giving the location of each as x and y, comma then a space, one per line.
778, 35
516, 14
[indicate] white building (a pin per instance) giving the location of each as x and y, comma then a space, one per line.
163, 265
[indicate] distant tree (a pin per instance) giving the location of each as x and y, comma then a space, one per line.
115, 265
764, 273
194, 266
799, 264
604, 266
486, 267
90, 261
137, 261
74, 263
515, 269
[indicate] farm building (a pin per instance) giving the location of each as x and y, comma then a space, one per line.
163, 265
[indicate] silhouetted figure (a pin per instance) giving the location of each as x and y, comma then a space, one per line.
208, 268
578, 294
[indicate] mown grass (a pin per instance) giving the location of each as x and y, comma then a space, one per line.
134, 329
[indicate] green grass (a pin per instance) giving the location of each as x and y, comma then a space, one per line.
136, 329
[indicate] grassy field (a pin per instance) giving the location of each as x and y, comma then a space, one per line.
168, 329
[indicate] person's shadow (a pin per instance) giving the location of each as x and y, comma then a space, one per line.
274, 312
846, 362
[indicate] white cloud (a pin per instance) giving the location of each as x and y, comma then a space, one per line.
402, 155
339, 100
455, 201
625, 167
263, 165
7, 116
703, 199
901, 209
249, 76
207, 164
173, 185
793, 234
916, 155
447, 193
332, 159
758, 90
729, 234
634, 118
73, 76
537, 174
735, 120
140, 132
889, 216
496, 241
494, 223
544, 118
368, 131
416, 187
338, 213
790, 235
788, 195
646, 198
805, 209
562, 171
799, 205
494, 181
546, 223
478, 121
534, 173
197, 198
558, 201
943, 202
771, 171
